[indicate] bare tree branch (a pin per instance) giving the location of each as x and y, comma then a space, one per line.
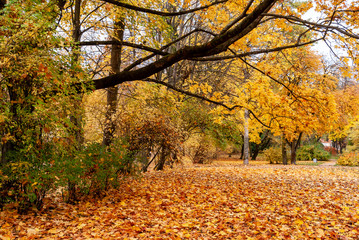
160, 13
204, 98
191, 94
217, 45
141, 60
318, 25
265, 74
256, 52
124, 43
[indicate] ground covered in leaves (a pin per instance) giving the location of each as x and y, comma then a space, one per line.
216, 201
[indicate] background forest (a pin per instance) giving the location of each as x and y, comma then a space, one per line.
93, 91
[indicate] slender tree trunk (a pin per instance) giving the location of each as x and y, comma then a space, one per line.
8, 144
161, 161
246, 138
293, 153
284, 151
112, 92
242, 151
76, 118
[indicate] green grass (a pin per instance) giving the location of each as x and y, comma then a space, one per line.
310, 163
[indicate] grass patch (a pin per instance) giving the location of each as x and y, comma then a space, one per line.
310, 163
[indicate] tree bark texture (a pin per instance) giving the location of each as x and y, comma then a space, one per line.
218, 44
77, 118
294, 145
112, 92
284, 151
246, 138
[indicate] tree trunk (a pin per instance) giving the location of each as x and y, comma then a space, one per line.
293, 153
242, 152
284, 151
256, 148
246, 138
112, 92
76, 118
293, 149
161, 161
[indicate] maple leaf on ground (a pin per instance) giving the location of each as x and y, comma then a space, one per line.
209, 202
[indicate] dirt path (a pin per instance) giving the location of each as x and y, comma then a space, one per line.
331, 162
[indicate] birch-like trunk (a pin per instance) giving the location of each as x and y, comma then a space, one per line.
246, 138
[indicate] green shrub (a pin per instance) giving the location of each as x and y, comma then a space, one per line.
305, 153
95, 169
349, 159
309, 152
321, 155
273, 155
25, 180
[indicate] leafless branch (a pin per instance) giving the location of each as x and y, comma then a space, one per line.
124, 43
256, 52
318, 25
161, 13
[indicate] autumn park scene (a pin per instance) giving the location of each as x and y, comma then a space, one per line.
179, 119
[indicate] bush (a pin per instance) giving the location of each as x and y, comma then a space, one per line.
349, 159
273, 155
309, 152
304, 153
321, 155
95, 169
201, 150
25, 181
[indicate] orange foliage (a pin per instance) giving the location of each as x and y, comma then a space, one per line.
222, 202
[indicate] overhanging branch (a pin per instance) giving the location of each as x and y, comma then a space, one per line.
191, 94
161, 13
204, 98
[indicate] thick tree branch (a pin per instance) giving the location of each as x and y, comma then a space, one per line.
160, 13
217, 45
244, 13
141, 60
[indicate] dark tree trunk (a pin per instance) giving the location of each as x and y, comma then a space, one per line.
294, 145
112, 92
242, 152
284, 151
2, 4
162, 160
256, 148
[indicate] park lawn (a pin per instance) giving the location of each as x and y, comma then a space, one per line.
207, 202
310, 163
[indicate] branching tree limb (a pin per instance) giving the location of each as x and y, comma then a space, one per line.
161, 13
218, 44
123, 43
